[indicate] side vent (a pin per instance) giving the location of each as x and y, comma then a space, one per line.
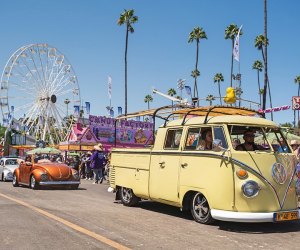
112, 175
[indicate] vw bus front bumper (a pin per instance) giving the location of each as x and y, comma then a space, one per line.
255, 217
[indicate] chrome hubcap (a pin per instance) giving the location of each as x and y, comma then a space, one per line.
32, 182
127, 194
200, 206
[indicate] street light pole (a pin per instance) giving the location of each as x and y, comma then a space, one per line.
67, 101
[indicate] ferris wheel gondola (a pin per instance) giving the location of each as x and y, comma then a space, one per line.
38, 85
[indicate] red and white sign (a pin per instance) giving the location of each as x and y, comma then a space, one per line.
296, 102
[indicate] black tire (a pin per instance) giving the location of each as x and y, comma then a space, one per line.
33, 183
2, 177
128, 198
15, 182
200, 209
74, 187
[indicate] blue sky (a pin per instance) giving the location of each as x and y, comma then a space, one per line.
86, 32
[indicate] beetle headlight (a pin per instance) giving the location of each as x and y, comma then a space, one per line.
298, 187
250, 189
9, 174
44, 177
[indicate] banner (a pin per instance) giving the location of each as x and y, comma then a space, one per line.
128, 132
87, 107
236, 48
109, 86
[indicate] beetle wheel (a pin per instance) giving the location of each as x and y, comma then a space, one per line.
33, 183
15, 182
128, 198
200, 209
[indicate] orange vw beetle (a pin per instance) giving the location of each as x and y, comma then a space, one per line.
45, 173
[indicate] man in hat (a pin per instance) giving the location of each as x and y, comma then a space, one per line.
295, 147
97, 162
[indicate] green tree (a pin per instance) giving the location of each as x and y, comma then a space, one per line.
230, 33
217, 79
210, 98
172, 92
196, 35
148, 99
297, 81
128, 18
258, 66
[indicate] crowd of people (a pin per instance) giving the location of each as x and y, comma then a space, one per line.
92, 165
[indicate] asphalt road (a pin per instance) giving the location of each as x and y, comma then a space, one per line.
89, 218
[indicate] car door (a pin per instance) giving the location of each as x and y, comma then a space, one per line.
165, 166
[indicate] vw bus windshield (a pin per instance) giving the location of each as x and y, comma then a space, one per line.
247, 138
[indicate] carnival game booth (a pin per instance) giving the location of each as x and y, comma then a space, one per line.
110, 132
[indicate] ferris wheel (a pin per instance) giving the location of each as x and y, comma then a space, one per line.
38, 85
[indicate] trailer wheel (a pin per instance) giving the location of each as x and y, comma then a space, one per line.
128, 198
200, 209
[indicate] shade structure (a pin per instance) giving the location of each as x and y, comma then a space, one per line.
46, 150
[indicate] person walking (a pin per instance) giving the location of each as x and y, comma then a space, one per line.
97, 162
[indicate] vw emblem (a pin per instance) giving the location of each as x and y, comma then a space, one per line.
279, 173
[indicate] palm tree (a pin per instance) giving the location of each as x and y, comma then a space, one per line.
210, 98
172, 92
230, 33
261, 42
257, 65
148, 99
297, 81
219, 78
128, 18
196, 35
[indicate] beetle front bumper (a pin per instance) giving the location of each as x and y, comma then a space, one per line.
244, 216
46, 183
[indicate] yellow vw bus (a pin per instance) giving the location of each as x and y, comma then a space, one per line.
221, 163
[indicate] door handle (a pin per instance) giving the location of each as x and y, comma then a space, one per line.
183, 165
162, 164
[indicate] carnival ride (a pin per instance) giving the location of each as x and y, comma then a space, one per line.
37, 85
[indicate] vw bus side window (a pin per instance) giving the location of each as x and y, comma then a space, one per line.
192, 139
247, 138
173, 139
219, 138
199, 139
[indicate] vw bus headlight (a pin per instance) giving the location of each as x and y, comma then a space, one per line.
250, 189
9, 174
44, 177
298, 187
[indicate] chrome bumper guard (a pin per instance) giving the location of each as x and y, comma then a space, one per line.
243, 216
45, 183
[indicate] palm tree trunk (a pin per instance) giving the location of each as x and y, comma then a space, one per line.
126, 46
231, 72
196, 68
298, 110
265, 58
259, 88
220, 92
148, 105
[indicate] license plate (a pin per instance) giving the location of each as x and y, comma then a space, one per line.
285, 216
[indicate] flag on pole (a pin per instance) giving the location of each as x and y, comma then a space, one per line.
119, 110
109, 86
236, 47
87, 107
188, 90
76, 110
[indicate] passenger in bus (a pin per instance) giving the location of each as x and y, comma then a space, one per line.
206, 140
249, 144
